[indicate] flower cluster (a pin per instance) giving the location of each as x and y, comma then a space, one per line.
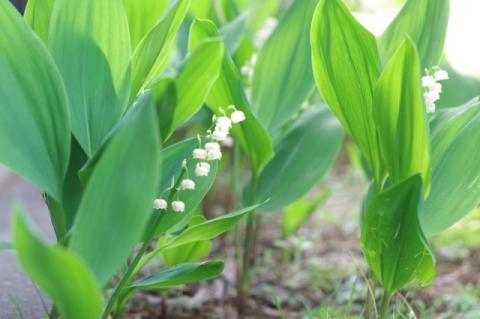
211, 151
264, 33
433, 88
249, 67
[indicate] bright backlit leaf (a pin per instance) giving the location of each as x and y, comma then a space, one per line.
346, 67
152, 54
37, 14
142, 16
283, 76
400, 117
425, 21
392, 239
180, 275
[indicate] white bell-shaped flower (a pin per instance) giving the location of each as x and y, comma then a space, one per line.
178, 206
199, 154
202, 169
160, 203
187, 184
237, 116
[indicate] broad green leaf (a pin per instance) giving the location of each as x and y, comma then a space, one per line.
152, 54
6, 245
37, 14
90, 43
61, 274
172, 158
142, 16
117, 201
196, 78
392, 239
400, 117
297, 213
186, 253
228, 90
425, 21
165, 95
209, 229
283, 76
346, 67
301, 158
455, 168
180, 275
34, 119
62, 213
260, 12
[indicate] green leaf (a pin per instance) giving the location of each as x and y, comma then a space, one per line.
186, 253
458, 89
172, 158
90, 43
34, 119
196, 78
296, 214
260, 12
142, 16
37, 15
346, 67
180, 275
425, 21
209, 229
62, 275
302, 157
152, 54
283, 76
392, 240
118, 197
400, 117
228, 90
455, 167
165, 96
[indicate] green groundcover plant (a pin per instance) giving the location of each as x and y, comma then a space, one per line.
421, 162
93, 96
118, 110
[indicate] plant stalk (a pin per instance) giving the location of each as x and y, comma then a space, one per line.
385, 308
248, 249
132, 268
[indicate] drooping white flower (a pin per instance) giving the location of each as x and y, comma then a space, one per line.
427, 81
430, 106
202, 169
264, 33
212, 146
199, 154
223, 123
237, 116
441, 75
187, 184
219, 136
178, 206
228, 142
432, 96
160, 203
214, 155
433, 88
